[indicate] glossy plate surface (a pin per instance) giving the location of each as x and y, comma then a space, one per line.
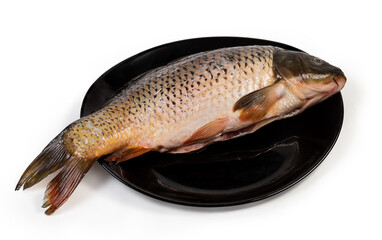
237, 171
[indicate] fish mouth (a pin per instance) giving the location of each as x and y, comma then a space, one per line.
326, 90
339, 80
336, 82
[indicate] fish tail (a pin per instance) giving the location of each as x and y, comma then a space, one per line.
52, 158
63, 185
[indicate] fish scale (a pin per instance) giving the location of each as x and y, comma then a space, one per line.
167, 105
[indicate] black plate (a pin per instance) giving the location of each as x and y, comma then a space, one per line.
237, 171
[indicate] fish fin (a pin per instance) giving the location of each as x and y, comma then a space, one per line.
52, 158
255, 105
127, 153
208, 131
63, 185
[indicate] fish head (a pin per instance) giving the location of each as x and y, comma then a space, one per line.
311, 77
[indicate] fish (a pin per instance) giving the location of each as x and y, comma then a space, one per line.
185, 106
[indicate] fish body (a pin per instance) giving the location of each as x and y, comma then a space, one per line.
184, 106
164, 107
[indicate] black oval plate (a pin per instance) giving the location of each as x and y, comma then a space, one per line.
237, 171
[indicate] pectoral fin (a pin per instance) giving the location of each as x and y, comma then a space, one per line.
255, 105
208, 131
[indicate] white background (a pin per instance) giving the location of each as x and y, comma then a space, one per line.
50, 53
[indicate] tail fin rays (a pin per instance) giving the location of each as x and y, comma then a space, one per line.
52, 158
63, 185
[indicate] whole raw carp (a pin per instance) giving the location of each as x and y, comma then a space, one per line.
184, 106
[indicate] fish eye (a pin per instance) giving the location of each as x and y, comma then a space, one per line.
317, 61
